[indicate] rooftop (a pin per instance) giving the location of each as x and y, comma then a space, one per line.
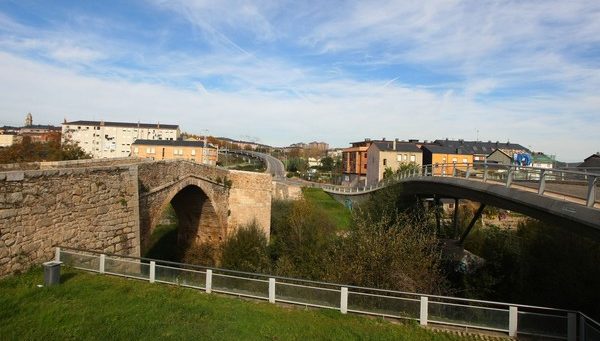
480, 147
400, 146
123, 124
172, 143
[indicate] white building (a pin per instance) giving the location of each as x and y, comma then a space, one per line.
113, 139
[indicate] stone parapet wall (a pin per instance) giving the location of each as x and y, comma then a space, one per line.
91, 208
71, 164
284, 191
250, 200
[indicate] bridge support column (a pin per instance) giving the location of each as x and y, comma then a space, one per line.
438, 224
455, 218
471, 224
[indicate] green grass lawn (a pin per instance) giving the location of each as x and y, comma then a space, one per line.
101, 307
339, 213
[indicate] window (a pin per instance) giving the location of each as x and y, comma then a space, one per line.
404, 157
385, 162
399, 157
464, 160
193, 152
413, 158
454, 160
365, 155
135, 150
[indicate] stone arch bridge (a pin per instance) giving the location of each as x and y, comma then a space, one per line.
114, 205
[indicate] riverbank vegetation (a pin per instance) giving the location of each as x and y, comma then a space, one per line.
392, 242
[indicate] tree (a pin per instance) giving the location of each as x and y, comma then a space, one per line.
28, 151
388, 172
395, 251
301, 236
246, 250
327, 164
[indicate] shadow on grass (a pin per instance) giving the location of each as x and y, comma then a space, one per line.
65, 277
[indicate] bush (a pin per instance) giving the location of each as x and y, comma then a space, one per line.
393, 251
246, 250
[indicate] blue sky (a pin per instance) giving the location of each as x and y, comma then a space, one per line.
289, 71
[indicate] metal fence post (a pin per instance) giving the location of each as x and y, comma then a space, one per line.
424, 310
509, 177
581, 328
272, 290
57, 254
542, 186
485, 172
571, 327
591, 197
208, 281
513, 320
468, 171
102, 263
344, 300
152, 271
454, 169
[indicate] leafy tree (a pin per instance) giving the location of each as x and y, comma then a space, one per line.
388, 172
301, 235
393, 251
246, 250
28, 151
327, 164
297, 164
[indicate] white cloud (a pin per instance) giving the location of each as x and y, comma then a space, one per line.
336, 111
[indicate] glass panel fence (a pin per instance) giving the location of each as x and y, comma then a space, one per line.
466, 315
592, 331
296, 293
80, 261
567, 184
191, 278
384, 305
542, 324
240, 286
128, 268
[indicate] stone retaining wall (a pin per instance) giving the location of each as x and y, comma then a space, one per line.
92, 208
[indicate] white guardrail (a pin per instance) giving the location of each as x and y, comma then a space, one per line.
584, 186
513, 319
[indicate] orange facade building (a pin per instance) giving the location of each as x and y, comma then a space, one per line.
447, 159
175, 149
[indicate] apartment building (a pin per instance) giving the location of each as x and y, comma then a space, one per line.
175, 149
481, 149
354, 163
434, 154
114, 139
392, 155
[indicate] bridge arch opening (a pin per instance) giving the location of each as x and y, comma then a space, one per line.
186, 227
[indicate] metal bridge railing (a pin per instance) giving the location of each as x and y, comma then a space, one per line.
513, 319
580, 187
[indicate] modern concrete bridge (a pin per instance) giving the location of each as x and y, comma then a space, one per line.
563, 197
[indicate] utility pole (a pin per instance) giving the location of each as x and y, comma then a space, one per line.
204, 148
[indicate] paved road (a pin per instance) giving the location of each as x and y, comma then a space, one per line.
274, 166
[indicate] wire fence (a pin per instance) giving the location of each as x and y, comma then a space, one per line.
513, 319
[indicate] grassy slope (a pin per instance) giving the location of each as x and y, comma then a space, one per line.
339, 213
91, 306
